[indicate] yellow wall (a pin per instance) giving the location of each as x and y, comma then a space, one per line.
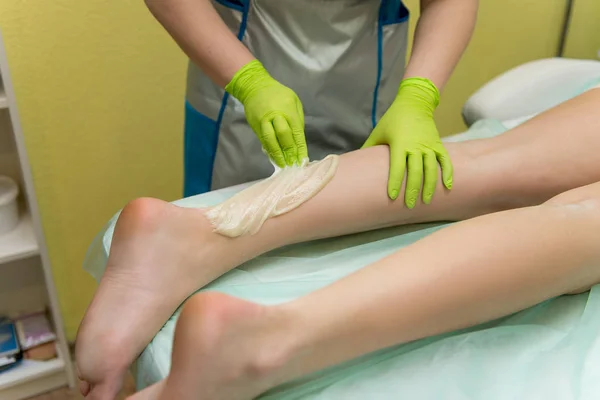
508, 33
100, 92
583, 40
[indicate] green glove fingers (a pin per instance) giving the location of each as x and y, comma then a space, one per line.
397, 170
297, 125
268, 138
431, 175
447, 169
283, 132
408, 128
273, 111
414, 178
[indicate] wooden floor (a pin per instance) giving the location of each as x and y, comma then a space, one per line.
73, 394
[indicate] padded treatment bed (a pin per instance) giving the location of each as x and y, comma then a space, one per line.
550, 351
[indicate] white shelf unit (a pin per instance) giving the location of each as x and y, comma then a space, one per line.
26, 282
3, 99
31, 378
20, 243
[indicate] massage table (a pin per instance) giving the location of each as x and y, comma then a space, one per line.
550, 351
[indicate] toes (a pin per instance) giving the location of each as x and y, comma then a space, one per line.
106, 390
150, 393
102, 392
84, 388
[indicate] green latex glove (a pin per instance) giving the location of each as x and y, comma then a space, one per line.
408, 128
273, 111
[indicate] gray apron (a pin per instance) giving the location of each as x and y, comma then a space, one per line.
343, 58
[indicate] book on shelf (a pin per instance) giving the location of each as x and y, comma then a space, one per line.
10, 350
34, 329
36, 337
43, 352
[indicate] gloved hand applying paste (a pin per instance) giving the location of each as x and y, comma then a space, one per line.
408, 128
273, 111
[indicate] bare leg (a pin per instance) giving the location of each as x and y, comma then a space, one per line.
482, 269
162, 253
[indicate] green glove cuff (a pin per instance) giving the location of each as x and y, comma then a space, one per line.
420, 93
248, 79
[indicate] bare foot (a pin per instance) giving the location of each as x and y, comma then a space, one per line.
150, 393
228, 349
160, 255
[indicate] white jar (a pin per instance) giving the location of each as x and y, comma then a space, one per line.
9, 211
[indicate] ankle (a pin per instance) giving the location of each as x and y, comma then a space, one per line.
280, 344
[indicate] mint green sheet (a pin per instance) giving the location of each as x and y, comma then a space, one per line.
551, 351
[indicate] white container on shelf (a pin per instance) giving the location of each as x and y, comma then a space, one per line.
9, 210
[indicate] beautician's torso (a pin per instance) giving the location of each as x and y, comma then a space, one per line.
337, 55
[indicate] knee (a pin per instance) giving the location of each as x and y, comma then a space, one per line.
568, 198
584, 199
580, 290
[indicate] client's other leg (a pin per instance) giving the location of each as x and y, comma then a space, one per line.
162, 253
481, 269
